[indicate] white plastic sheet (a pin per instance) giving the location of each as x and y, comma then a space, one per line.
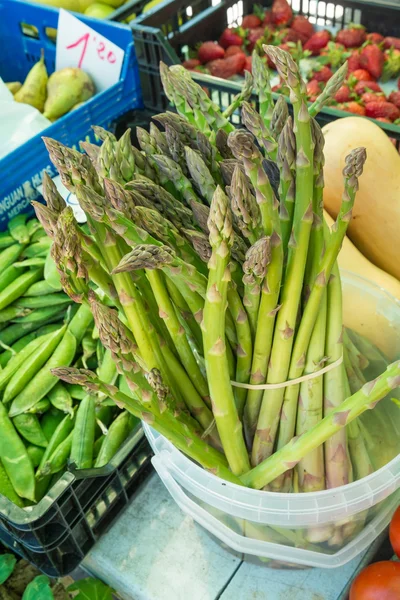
18, 122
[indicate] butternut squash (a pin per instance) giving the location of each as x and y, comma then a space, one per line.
375, 226
365, 314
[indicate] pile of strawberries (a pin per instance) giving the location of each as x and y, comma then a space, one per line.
371, 57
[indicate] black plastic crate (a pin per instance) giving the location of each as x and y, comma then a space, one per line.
57, 533
166, 32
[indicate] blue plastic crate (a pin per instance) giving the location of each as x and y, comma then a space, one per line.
22, 170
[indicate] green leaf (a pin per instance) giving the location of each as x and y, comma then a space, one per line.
91, 589
38, 589
7, 564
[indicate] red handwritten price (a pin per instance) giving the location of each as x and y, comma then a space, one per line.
78, 45
101, 49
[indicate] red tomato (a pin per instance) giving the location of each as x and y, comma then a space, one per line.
394, 532
379, 581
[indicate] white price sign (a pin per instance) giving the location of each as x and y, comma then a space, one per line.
81, 46
70, 199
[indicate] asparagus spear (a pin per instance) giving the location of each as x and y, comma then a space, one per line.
255, 269
244, 207
213, 325
263, 87
242, 96
280, 116
280, 356
243, 147
255, 124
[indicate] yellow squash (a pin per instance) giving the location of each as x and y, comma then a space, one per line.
375, 226
360, 310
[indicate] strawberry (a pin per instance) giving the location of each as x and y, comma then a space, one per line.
372, 59
253, 37
317, 41
383, 120
391, 42
382, 109
367, 86
352, 107
210, 51
371, 97
290, 35
191, 64
233, 50
391, 67
323, 74
351, 37
354, 61
343, 94
248, 65
362, 75
375, 38
394, 98
230, 37
313, 89
227, 67
251, 22
303, 26
282, 13
335, 54
268, 19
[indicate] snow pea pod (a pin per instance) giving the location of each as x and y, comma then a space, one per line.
97, 445
41, 314
39, 248
9, 256
5, 240
13, 312
29, 262
40, 408
51, 274
28, 426
61, 399
60, 434
18, 230
6, 488
76, 391
58, 460
117, 434
32, 365
8, 276
39, 288
44, 380
17, 360
80, 322
34, 226
50, 421
43, 301
83, 434
15, 458
18, 287
35, 454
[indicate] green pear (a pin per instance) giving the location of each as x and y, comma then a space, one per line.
99, 10
14, 86
65, 89
33, 90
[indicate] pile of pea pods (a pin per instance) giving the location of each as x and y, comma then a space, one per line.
45, 425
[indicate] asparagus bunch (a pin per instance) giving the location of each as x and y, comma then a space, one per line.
213, 284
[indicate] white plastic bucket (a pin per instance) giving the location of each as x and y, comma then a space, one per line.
279, 526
